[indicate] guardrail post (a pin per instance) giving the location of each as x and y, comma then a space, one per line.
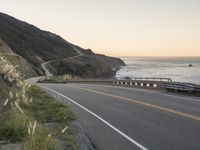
156, 83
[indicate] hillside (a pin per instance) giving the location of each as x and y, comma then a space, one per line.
36, 46
88, 66
22, 65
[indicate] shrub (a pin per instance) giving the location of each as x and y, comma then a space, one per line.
40, 140
13, 126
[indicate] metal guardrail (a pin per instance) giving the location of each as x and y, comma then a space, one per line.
182, 87
155, 83
154, 79
152, 83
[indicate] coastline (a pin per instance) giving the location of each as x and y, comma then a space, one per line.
176, 69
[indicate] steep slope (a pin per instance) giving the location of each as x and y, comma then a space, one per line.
3, 88
22, 65
37, 46
32, 43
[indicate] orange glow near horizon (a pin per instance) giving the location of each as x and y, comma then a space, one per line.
115, 27
165, 48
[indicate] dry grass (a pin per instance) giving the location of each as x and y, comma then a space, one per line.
13, 127
48, 109
40, 140
23, 107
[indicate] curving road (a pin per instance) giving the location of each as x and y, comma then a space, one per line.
122, 118
43, 65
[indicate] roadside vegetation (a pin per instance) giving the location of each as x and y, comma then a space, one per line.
25, 110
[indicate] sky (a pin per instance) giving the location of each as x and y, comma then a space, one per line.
117, 27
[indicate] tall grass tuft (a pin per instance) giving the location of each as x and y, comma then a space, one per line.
13, 126
40, 140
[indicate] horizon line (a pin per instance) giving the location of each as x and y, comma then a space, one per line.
162, 56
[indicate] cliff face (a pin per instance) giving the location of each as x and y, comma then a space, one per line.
36, 46
21, 64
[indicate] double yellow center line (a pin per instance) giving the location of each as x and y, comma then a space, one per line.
179, 113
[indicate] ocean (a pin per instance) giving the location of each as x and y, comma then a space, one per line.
176, 68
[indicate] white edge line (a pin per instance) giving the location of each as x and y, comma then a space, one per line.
98, 117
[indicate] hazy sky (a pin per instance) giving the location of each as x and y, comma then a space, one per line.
117, 27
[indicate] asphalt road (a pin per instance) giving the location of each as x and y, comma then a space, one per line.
129, 118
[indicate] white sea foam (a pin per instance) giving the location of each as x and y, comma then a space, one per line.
175, 68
